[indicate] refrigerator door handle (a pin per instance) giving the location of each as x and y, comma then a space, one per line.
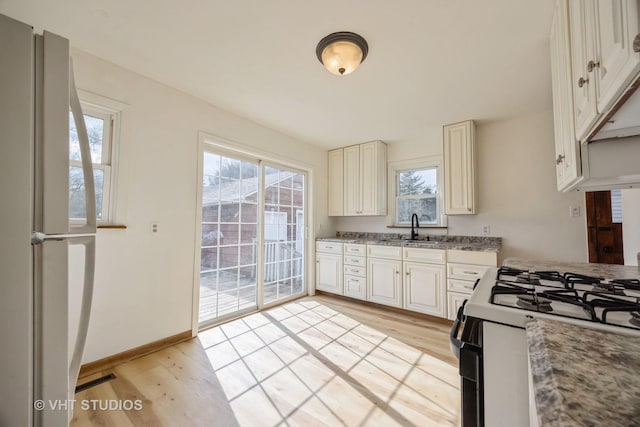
85, 155
89, 243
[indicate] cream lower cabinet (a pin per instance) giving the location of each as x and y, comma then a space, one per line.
329, 267
384, 275
424, 281
464, 268
355, 271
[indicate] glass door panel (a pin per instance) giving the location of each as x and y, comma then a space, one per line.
228, 255
284, 225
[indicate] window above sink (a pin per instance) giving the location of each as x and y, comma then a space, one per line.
416, 187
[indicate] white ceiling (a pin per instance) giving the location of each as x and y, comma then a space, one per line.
430, 62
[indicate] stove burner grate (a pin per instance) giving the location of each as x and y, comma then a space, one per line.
631, 284
572, 279
635, 318
534, 302
609, 288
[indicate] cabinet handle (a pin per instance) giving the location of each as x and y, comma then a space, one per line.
560, 159
318, 262
636, 43
591, 65
329, 247
470, 272
407, 273
582, 81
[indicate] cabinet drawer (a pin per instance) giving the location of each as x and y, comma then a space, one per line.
462, 286
355, 260
329, 247
388, 252
355, 249
472, 257
432, 256
355, 287
465, 271
355, 270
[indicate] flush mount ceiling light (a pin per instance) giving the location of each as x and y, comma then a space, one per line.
342, 52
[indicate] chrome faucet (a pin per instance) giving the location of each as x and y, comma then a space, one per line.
414, 231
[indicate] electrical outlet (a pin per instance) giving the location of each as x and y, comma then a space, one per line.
486, 230
574, 211
155, 227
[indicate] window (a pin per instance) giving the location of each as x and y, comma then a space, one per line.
616, 206
100, 123
417, 189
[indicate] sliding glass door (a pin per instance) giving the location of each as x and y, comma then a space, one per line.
284, 225
252, 248
229, 236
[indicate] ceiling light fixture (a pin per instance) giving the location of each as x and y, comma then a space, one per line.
342, 52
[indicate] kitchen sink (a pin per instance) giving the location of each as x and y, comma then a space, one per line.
402, 241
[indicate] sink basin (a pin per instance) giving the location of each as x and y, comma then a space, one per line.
402, 241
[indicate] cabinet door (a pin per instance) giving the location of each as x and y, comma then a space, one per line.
616, 25
459, 159
384, 285
355, 287
372, 182
335, 182
454, 301
424, 288
329, 273
582, 51
351, 178
568, 167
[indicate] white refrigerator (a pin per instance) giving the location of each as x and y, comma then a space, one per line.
39, 361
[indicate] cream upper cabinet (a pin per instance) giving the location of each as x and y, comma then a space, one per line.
459, 168
568, 167
335, 178
358, 185
582, 49
351, 186
373, 178
617, 22
602, 57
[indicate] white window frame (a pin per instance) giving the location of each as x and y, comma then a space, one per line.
110, 111
393, 171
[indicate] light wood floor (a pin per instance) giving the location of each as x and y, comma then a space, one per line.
317, 361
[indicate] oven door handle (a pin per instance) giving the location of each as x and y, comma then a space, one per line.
453, 335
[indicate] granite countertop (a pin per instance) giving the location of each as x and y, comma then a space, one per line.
605, 271
461, 243
583, 376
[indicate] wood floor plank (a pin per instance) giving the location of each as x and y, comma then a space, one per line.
317, 361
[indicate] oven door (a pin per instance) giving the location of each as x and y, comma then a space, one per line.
468, 350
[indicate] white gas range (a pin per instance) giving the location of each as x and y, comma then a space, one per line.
493, 346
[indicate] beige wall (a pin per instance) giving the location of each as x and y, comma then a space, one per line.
631, 225
144, 282
517, 194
